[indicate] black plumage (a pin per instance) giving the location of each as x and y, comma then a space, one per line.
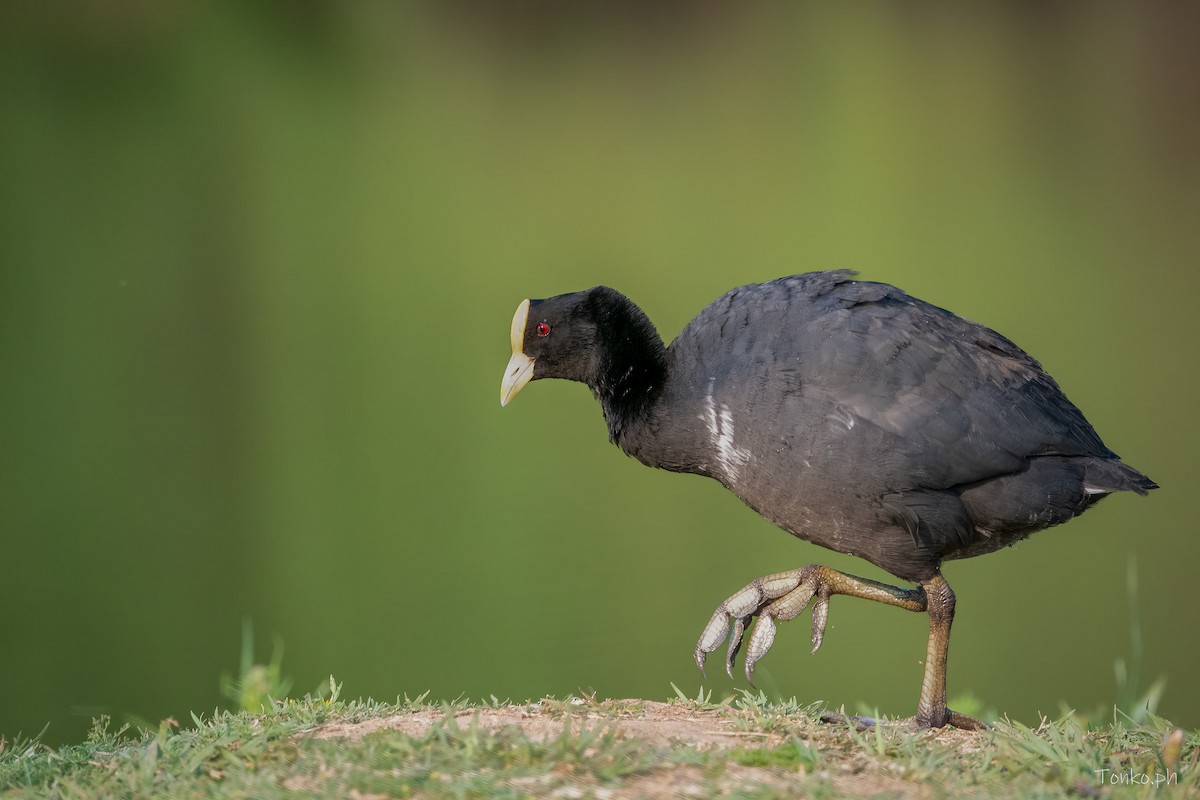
846, 412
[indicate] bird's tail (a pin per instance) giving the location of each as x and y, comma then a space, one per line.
1104, 475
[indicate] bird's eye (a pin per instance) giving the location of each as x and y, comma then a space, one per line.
542, 329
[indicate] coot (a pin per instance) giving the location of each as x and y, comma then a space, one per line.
851, 415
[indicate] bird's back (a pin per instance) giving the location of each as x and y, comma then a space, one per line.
870, 422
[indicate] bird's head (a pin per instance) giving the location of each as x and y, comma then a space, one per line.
560, 337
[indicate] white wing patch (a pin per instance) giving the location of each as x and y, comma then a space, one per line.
843, 417
720, 429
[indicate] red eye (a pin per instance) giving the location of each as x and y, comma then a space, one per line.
542, 329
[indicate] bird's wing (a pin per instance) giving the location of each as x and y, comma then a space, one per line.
962, 402
932, 400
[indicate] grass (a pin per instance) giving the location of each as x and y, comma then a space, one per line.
581, 747
745, 746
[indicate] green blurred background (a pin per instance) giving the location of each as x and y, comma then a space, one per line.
257, 268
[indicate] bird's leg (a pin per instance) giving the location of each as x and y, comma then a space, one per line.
931, 709
784, 595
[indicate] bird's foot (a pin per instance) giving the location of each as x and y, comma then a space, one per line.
948, 718
779, 597
859, 722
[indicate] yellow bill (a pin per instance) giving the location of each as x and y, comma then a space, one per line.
520, 367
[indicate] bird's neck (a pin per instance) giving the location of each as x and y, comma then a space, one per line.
630, 371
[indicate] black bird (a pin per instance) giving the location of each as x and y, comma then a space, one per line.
847, 413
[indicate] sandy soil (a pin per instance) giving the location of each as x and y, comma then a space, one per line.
845, 772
